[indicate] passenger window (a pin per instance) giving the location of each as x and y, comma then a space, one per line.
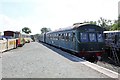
99, 37
59, 37
84, 37
67, 36
92, 37
62, 37
73, 37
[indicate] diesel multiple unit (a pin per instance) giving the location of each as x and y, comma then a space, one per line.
84, 40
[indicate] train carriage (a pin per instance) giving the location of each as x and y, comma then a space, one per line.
112, 37
85, 40
112, 43
42, 37
16, 35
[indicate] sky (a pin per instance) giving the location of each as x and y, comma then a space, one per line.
54, 14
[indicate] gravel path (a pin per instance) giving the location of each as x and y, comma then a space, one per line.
109, 66
37, 61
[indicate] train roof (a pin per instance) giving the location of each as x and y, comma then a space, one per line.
73, 27
8, 31
12, 31
111, 31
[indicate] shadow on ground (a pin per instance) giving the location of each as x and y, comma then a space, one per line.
63, 53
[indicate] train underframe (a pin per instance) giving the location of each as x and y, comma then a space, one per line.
90, 56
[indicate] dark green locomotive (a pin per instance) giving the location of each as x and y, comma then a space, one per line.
85, 40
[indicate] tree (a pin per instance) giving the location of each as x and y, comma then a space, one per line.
119, 17
26, 30
106, 24
116, 26
44, 30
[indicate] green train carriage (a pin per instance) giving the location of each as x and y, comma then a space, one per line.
85, 40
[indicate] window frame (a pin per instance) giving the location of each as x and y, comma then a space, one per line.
100, 40
94, 39
82, 37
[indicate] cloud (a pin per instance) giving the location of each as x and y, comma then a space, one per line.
8, 23
55, 13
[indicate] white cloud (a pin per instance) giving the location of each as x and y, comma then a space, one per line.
8, 23
59, 13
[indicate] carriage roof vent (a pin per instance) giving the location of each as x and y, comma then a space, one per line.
76, 25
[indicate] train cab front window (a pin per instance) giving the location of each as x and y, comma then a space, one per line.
84, 37
92, 37
99, 37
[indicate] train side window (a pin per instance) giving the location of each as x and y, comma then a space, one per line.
99, 37
58, 36
67, 36
49, 36
84, 37
62, 36
52, 36
55, 36
92, 37
73, 37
